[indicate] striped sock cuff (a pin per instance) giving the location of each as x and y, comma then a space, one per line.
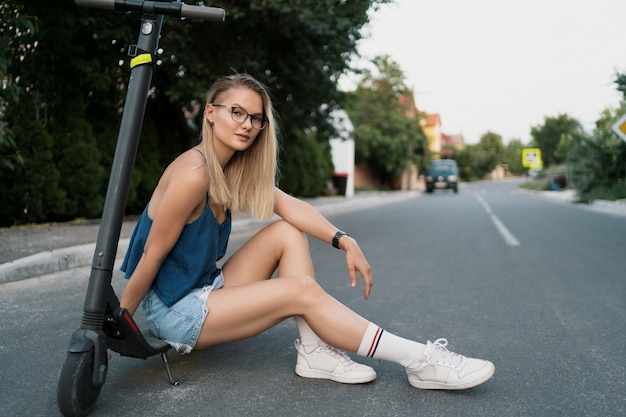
370, 341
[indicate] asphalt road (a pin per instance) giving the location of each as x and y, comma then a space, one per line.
535, 286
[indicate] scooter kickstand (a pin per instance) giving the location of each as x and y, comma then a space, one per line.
166, 362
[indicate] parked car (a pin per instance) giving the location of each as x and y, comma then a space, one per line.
442, 174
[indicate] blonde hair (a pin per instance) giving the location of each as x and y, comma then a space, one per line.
247, 181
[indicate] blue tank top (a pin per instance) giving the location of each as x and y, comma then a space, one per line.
192, 262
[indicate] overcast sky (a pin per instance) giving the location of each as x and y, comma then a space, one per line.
503, 65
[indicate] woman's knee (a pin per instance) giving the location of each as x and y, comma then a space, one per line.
306, 290
290, 237
288, 233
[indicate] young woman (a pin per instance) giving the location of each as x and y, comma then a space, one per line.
184, 230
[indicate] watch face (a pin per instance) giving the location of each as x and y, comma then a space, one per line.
337, 237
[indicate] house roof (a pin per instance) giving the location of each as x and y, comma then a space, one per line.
456, 140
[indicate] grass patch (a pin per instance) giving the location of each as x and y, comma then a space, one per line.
541, 184
611, 193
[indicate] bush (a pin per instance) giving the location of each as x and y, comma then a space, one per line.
31, 192
306, 167
78, 161
611, 193
597, 162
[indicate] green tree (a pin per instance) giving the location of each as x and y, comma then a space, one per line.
552, 136
513, 156
77, 63
494, 148
307, 164
31, 192
620, 81
386, 139
474, 162
597, 161
62, 83
77, 159
16, 43
477, 160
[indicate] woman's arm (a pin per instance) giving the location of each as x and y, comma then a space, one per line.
305, 217
171, 207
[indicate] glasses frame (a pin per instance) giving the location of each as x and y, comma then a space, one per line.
264, 119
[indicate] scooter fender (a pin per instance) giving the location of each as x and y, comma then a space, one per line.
82, 341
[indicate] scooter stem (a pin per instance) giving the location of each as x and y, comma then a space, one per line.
121, 171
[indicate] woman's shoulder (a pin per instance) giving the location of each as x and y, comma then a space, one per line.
186, 174
188, 166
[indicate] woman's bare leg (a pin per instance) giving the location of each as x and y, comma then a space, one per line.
246, 310
250, 303
277, 245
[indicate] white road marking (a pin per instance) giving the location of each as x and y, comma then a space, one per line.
509, 238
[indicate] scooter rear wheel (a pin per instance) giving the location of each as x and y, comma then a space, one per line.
76, 396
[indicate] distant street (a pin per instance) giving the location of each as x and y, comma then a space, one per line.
536, 286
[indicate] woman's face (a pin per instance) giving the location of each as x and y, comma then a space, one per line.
232, 130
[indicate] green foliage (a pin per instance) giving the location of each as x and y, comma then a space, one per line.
386, 139
71, 60
620, 81
513, 157
17, 32
16, 42
541, 184
597, 161
31, 193
307, 166
9, 155
61, 71
552, 137
77, 158
494, 149
476, 161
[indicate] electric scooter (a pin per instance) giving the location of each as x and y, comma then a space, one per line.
104, 325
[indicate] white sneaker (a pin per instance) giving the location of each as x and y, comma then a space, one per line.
443, 369
326, 362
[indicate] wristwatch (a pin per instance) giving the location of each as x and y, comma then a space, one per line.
337, 237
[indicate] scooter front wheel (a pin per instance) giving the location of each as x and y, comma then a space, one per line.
76, 395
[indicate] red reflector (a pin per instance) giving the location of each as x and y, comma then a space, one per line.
129, 320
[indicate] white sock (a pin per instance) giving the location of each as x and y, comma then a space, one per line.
308, 337
381, 344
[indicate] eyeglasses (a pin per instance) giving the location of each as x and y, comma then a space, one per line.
239, 115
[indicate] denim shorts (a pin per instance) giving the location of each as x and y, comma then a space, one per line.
180, 324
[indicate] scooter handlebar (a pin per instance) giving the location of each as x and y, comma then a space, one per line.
176, 9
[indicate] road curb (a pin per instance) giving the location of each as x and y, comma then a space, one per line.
49, 262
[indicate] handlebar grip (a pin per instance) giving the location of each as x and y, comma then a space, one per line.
212, 14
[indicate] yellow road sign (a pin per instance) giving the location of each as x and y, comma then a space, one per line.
531, 158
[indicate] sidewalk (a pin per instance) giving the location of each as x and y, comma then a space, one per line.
30, 251
569, 196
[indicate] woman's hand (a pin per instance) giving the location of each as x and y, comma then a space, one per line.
356, 262
305, 217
